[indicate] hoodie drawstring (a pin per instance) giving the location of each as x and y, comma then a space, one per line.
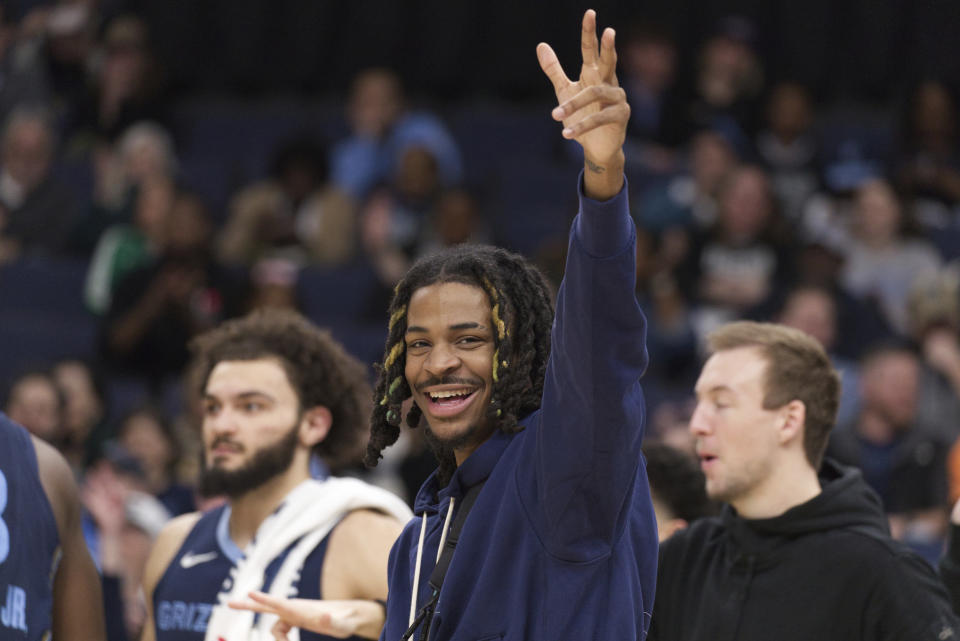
416, 571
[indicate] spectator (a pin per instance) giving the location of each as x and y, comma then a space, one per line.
149, 438
690, 199
381, 132
296, 212
813, 310
742, 259
127, 521
788, 148
85, 409
157, 309
126, 87
124, 248
929, 164
36, 402
394, 218
902, 460
22, 69
882, 261
728, 82
142, 158
36, 211
677, 488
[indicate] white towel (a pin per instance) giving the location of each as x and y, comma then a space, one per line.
306, 516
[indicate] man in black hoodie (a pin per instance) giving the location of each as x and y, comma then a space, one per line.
795, 554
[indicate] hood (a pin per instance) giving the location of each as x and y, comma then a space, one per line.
846, 501
474, 470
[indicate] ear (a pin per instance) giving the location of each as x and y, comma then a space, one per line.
793, 416
315, 425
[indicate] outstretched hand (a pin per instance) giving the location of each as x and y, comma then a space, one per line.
339, 619
594, 108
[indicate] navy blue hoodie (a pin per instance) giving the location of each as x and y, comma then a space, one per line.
561, 542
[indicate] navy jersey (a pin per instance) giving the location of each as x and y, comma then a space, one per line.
29, 540
202, 571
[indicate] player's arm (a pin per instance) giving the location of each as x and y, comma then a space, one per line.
77, 600
354, 582
164, 549
588, 448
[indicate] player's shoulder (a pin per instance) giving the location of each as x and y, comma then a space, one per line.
57, 481
165, 547
365, 524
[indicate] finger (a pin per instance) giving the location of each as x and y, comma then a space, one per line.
551, 67
589, 47
251, 606
619, 113
608, 56
280, 630
602, 94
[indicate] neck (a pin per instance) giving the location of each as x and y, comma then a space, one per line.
790, 484
248, 511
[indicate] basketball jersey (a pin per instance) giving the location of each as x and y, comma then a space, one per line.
201, 574
29, 540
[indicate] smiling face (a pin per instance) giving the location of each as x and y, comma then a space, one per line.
736, 438
449, 362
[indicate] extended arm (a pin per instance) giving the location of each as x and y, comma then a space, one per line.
77, 602
588, 444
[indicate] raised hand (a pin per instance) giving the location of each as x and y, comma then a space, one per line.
594, 108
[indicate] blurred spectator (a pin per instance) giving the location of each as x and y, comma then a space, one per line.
648, 61
882, 262
743, 258
36, 402
296, 212
860, 324
456, 219
933, 313
728, 83
124, 248
65, 33
127, 521
126, 86
23, 78
85, 409
813, 310
902, 460
148, 437
788, 148
689, 199
393, 220
143, 157
157, 309
929, 165
36, 211
381, 132
677, 488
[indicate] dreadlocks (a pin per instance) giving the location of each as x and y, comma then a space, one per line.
522, 315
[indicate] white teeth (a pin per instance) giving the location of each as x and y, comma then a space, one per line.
449, 394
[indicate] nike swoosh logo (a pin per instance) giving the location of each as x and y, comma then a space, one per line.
189, 559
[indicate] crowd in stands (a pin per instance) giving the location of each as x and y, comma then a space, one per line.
132, 219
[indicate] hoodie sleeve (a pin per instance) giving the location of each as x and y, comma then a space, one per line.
587, 446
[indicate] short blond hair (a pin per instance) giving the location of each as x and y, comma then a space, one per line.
798, 368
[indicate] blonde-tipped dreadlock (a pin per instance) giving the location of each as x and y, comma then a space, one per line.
522, 315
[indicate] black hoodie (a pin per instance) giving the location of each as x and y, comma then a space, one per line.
825, 569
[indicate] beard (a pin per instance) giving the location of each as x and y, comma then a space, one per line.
266, 464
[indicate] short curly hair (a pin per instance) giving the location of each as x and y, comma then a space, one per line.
318, 368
